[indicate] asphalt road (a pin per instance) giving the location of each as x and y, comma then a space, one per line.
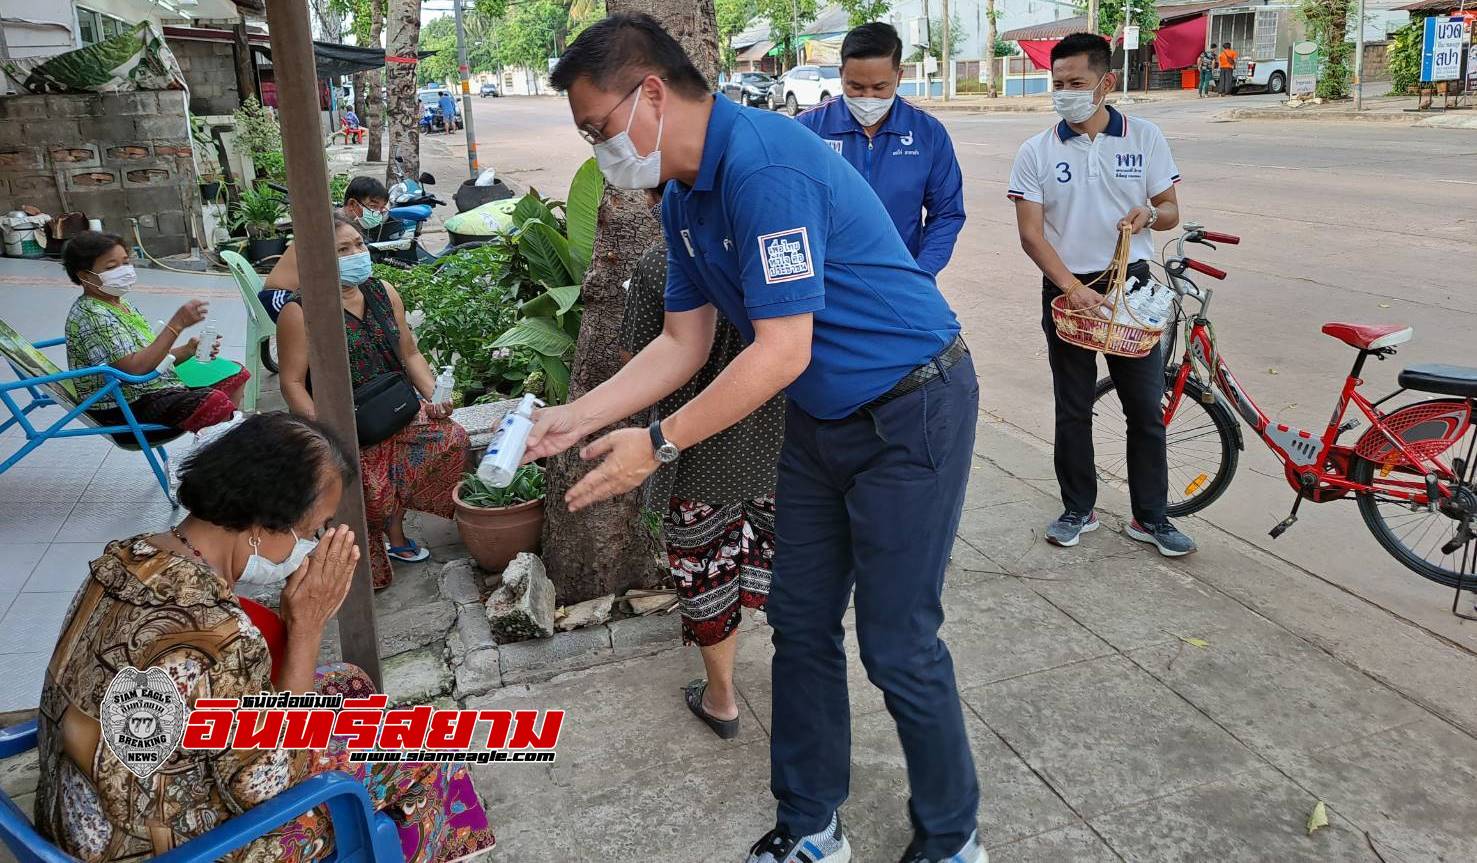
1340, 221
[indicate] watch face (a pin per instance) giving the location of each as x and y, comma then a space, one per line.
667, 453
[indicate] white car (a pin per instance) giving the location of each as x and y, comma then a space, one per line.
1268, 74
805, 87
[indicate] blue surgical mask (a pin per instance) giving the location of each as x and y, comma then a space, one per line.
260, 571
354, 269
372, 218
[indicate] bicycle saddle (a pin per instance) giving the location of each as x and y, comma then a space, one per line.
1369, 337
1440, 378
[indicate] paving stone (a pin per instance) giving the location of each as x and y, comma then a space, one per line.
650, 604
966, 562
1011, 534
1259, 815
1136, 601
416, 676
1106, 734
648, 632
478, 673
1410, 787
459, 581
1275, 692
432, 531
1014, 802
542, 658
989, 487
710, 810
410, 628
591, 612
415, 584
473, 628
522, 606
1075, 844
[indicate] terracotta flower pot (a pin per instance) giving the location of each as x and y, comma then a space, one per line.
496, 535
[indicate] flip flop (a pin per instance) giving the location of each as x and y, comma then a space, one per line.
411, 552
693, 695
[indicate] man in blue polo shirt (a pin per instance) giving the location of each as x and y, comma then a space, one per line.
765, 225
904, 154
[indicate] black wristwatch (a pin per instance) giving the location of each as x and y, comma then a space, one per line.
666, 451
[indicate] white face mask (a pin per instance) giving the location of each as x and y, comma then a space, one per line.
117, 281
1076, 106
623, 166
261, 571
869, 110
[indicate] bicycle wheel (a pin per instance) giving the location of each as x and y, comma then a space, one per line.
1201, 445
1414, 535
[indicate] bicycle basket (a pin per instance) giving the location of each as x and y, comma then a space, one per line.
1087, 328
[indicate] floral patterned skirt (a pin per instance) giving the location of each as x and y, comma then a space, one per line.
418, 468
434, 806
722, 559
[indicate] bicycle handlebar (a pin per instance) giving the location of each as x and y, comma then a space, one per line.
1218, 237
1207, 269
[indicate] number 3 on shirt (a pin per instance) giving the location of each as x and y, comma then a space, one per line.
1064, 172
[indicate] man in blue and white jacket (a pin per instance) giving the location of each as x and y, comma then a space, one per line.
904, 153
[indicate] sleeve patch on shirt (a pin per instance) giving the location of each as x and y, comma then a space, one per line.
786, 256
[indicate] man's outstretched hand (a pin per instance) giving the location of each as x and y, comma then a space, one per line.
555, 430
629, 460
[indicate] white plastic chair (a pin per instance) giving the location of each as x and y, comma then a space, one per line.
260, 328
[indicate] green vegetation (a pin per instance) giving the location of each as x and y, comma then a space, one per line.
527, 485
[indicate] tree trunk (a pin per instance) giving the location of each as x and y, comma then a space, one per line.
374, 81
403, 26
606, 548
991, 35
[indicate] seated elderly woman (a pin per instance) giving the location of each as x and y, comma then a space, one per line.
105, 329
260, 497
419, 466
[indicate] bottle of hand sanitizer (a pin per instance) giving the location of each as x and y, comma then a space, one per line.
206, 343
444, 383
505, 452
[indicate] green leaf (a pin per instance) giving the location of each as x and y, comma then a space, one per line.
531, 208
547, 253
582, 211
1318, 818
557, 373
538, 334
551, 303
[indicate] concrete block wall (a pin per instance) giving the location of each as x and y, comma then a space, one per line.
210, 71
112, 156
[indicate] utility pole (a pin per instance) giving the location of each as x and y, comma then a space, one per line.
1127, 17
927, 51
945, 60
1092, 16
463, 73
1358, 63
795, 29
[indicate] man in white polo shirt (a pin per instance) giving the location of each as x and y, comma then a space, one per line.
1073, 186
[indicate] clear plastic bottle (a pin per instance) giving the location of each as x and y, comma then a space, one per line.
505, 453
444, 384
206, 344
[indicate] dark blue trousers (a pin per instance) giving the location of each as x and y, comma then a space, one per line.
872, 502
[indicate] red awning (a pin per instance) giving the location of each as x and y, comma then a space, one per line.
1177, 45
1039, 50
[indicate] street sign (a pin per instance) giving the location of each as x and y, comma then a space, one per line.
1472, 67
930, 65
1305, 63
1131, 36
1441, 49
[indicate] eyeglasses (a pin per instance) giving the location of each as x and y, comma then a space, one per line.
594, 133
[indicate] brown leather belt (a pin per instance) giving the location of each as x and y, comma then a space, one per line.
915, 379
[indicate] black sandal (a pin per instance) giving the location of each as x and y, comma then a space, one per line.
727, 729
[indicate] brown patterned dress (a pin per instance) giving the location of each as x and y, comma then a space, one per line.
146, 607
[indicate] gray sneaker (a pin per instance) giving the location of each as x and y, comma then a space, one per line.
1069, 527
827, 846
1165, 536
972, 852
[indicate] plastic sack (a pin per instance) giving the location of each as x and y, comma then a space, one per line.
136, 60
491, 218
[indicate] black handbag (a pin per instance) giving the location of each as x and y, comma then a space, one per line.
386, 403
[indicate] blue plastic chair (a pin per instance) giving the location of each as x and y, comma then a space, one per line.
42, 384
360, 835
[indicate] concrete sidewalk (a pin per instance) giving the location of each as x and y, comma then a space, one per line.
1122, 707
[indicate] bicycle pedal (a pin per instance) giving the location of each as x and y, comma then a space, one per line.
1282, 526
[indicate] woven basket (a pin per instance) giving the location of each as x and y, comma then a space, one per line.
1087, 328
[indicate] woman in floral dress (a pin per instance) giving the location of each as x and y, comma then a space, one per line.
419, 467
260, 498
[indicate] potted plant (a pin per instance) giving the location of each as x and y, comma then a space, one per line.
211, 187
257, 211
497, 524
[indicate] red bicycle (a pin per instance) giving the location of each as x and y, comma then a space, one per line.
1411, 471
